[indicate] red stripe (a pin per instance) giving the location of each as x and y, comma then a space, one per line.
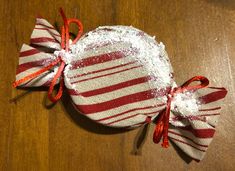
128, 111
217, 88
213, 114
106, 74
97, 71
25, 66
132, 98
40, 24
29, 52
188, 144
131, 116
212, 97
100, 59
187, 138
54, 34
193, 117
42, 40
200, 133
189, 117
216, 108
110, 88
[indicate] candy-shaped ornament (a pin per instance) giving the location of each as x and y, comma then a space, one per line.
120, 76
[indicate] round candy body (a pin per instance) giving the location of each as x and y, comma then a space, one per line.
118, 76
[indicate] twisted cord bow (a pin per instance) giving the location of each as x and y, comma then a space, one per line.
64, 46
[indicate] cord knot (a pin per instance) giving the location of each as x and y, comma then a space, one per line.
66, 57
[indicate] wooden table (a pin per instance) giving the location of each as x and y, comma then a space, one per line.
200, 38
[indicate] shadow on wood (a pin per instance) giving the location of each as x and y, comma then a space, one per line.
27, 91
140, 139
185, 157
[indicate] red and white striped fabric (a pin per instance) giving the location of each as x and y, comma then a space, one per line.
198, 130
44, 40
110, 86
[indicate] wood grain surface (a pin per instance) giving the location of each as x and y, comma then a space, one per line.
34, 135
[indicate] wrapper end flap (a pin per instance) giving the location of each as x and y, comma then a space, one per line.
194, 120
44, 41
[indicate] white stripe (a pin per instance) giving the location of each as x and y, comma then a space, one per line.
211, 105
93, 68
202, 141
123, 108
105, 72
187, 141
132, 121
51, 45
139, 112
36, 57
26, 47
200, 124
40, 80
43, 33
53, 31
129, 121
205, 91
105, 81
43, 21
30, 71
213, 120
200, 114
110, 95
209, 113
27, 72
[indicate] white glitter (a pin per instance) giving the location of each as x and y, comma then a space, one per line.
150, 54
65, 56
184, 105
